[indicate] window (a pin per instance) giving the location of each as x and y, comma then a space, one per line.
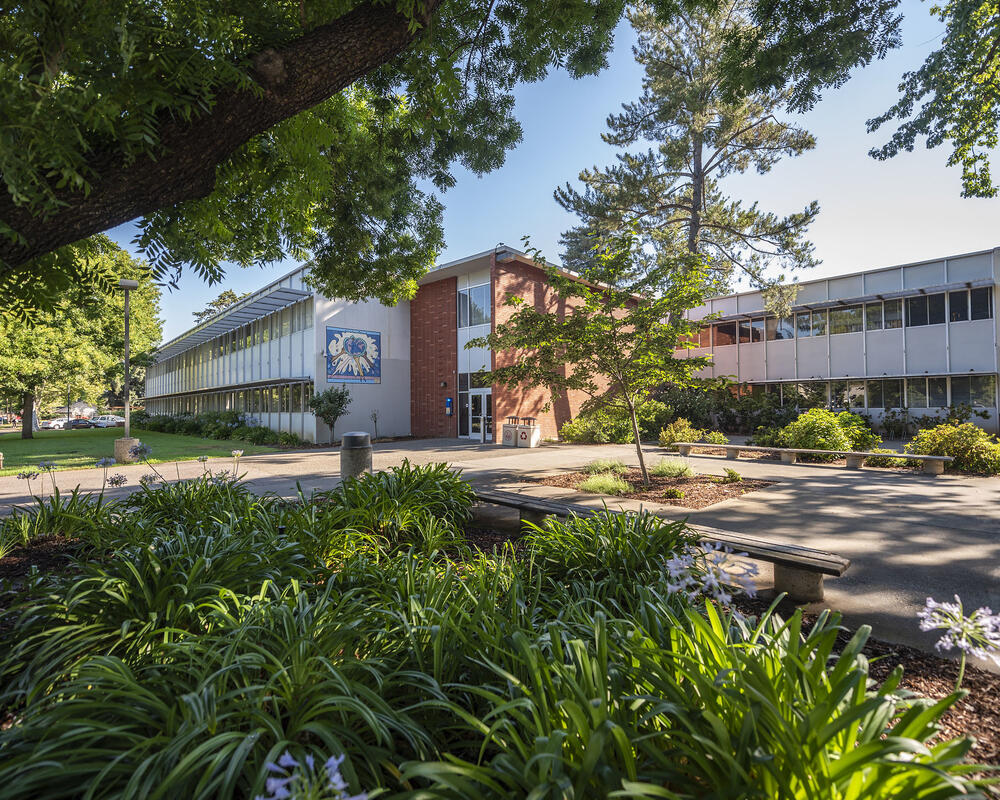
961, 391
802, 324
937, 392
982, 303
744, 326
813, 394
958, 306
705, 336
892, 393
916, 311
479, 380
780, 328
819, 323
856, 394
916, 393
757, 329
846, 320
893, 313
935, 309
838, 394
725, 333
875, 394
984, 391
474, 306
463, 413
873, 316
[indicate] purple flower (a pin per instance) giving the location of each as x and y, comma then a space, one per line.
976, 634
117, 480
293, 779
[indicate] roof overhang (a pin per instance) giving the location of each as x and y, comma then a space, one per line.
258, 305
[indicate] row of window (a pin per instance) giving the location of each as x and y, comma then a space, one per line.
193, 366
927, 309
285, 397
475, 306
979, 391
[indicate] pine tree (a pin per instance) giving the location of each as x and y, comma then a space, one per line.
671, 194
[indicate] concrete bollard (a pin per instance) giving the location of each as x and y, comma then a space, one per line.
122, 447
355, 454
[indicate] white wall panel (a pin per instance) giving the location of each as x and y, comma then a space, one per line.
847, 355
921, 275
851, 286
813, 292
780, 359
749, 303
926, 352
970, 268
725, 361
885, 352
813, 361
972, 346
751, 362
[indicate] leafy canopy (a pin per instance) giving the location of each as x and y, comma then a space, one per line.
100, 94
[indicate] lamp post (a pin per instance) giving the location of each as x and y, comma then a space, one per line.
122, 445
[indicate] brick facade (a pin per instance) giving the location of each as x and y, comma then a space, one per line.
531, 283
434, 358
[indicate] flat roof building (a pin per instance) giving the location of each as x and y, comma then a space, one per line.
918, 336
268, 354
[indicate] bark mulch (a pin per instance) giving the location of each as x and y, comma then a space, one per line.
976, 715
699, 490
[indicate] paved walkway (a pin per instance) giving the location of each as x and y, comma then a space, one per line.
908, 535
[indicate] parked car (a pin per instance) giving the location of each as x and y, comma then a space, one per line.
108, 421
49, 424
70, 424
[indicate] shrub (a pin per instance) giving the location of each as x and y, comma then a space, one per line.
600, 465
673, 493
671, 468
605, 425
680, 430
605, 483
973, 449
858, 430
732, 476
816, 429
714, 437
331, 405
767, 437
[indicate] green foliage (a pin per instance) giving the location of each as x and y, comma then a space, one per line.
714, 437
617, 342
767, 437
611, 425
605, 483
973, 449
952, 98
816, 429
672, 193
858, 430
204, 630
218, 425
600, 465
680, 430
673, 493
731, 476
671, 468
331, 405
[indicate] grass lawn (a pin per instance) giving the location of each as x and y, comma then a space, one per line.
81, 448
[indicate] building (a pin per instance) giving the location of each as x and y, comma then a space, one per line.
919, 336
269, 353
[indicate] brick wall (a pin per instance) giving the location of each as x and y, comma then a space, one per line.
531, 283
434, 358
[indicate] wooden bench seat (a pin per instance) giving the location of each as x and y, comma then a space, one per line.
933, 465
798, 571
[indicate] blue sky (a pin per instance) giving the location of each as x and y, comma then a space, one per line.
872, 213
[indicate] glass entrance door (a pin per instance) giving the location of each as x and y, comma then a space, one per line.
481, 415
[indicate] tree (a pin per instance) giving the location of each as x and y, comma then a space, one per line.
331, 405
617, 337
79, 345
218, 305
273, 129
671, 193
958, 89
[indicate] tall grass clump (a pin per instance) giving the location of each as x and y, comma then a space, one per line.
671, 468
605, 483
606, 465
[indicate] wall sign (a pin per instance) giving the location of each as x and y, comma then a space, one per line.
353, 356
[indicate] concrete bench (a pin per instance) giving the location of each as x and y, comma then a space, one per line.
933, 465
798, 571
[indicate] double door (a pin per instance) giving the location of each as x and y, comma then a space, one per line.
481, 415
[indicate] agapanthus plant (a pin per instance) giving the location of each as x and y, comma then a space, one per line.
47, 468
976, 634
704, 571
294, 780
142, 452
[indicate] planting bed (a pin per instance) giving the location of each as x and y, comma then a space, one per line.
699, 491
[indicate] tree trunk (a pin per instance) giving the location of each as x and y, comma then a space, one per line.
697, 196
27, 415
638, 444
298, 76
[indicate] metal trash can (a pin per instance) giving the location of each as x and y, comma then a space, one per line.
509, 438
527, 434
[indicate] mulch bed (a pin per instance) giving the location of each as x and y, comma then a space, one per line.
756, 455
699, 490
976, 715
